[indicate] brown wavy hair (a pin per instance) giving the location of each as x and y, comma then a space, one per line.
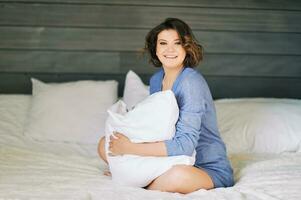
194, 51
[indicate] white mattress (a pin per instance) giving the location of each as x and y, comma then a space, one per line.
33, 170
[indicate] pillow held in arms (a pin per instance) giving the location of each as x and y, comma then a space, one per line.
70, 112
153, 119
134, 90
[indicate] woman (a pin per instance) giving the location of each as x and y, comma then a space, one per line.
173, 48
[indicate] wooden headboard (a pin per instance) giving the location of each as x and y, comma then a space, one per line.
252, 48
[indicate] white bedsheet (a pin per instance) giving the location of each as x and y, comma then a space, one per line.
33, 170
28, 174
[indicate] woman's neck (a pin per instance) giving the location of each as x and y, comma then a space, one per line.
170, 75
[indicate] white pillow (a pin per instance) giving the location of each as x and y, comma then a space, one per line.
151, 120
260, 125
72, 112
134, 90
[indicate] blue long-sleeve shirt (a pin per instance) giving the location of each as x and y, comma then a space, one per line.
196, 128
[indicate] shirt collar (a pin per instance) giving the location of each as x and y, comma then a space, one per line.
175, 84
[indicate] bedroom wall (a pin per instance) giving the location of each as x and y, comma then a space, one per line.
252, 47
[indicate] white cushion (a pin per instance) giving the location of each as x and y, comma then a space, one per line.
134, 90
260, 125
151, 120
70, 112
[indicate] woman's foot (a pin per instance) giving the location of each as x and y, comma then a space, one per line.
107, 173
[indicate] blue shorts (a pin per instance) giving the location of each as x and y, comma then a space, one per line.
220, 177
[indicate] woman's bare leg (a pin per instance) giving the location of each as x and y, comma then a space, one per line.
101, 149
102, 154
182, 179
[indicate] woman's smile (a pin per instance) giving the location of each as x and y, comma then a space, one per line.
170, 57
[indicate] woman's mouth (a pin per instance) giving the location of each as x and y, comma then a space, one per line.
170, 57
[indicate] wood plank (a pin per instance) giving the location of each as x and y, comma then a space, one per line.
251, 65
70, 38
41, 38
226, 65
115, 63
59, 61
19, 83
125, 16
246, 4
221, 87
239, 87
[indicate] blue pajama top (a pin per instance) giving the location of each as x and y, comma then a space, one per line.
196, 128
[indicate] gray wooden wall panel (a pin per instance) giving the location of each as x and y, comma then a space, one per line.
246, 4
132, 40
115, 63
228, 65
221, 87
59, 61
126, 16
12, 83
252, 47
238, 87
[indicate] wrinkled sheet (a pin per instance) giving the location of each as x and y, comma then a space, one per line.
28, 174
36, 170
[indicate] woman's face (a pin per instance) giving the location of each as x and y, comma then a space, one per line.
170, 50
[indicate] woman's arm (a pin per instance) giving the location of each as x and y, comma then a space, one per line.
122, 145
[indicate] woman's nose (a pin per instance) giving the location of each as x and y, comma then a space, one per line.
170, 48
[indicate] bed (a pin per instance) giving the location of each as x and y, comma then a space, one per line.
262, 135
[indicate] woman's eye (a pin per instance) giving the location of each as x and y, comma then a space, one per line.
163, 43
178, 43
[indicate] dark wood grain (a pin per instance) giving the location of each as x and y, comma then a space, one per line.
145, 17
246, 4
252, 47
40, 38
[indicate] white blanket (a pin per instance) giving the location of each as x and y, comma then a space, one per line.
33, 170
27, 174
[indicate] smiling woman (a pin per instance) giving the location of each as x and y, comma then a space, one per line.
171, 54
173, 48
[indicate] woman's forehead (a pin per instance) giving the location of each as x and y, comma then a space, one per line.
168, 34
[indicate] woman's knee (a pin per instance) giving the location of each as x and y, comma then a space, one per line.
182, 179
101, 149
178, 176
173, 180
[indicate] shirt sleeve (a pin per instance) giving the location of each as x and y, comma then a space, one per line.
192, 106
151, 85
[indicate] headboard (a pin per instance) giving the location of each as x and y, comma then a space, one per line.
252, 48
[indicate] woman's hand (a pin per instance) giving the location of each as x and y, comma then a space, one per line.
119, 145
